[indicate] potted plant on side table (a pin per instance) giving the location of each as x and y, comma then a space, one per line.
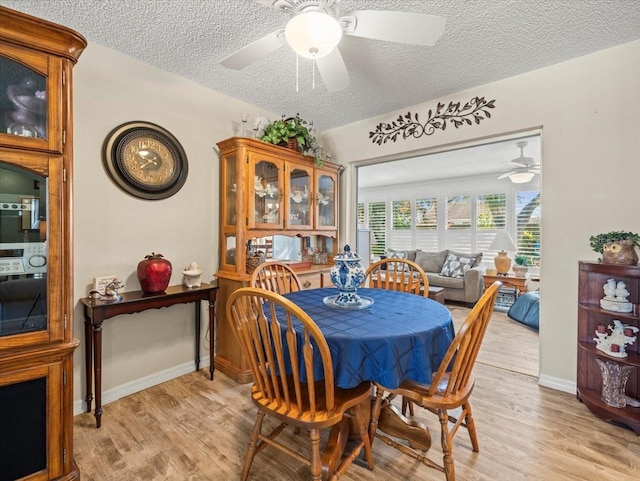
521, 266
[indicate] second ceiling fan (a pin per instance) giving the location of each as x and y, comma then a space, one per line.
524, 168
316, 27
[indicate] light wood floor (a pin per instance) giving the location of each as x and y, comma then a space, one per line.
192, 429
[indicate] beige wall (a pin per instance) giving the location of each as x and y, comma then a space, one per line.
586, 109
114, 231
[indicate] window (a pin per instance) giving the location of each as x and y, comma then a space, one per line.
468, 223
458, 233
528, 225
491, 216
426, 222
360, 213
378, 225
400, 235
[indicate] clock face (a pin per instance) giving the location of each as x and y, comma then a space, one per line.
145, 160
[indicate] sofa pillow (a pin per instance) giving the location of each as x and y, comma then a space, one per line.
431, 261
477, 256
456, 266
394, 254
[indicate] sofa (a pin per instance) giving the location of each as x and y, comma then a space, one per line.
458, 273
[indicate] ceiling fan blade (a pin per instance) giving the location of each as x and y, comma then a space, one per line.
255, 50
504, 176
401, 27
333, 71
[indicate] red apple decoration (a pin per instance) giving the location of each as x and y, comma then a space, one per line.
154, 273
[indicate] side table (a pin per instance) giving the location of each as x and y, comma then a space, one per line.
97, 311
519, 283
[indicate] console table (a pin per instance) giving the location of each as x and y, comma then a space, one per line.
96, 311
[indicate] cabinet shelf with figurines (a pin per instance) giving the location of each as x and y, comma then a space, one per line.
608, 376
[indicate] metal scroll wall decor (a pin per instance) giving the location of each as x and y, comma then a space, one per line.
455, 114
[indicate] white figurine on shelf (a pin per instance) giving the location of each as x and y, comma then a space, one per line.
621, 291
614, 343
615, 297
192, 275
610, 289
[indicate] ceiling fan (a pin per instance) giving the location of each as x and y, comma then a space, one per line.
524, 167
316, 27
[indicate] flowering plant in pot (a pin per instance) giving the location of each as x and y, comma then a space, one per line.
295, 131
616, 247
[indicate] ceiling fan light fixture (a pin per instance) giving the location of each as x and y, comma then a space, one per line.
521, 177
313, 34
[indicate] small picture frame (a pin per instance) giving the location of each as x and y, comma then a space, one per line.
99, 283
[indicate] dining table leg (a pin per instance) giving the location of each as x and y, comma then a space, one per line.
388, 419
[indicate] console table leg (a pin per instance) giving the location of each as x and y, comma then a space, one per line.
88, 357
198, 307
97, 373
212, 330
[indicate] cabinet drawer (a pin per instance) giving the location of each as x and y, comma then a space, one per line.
311, 281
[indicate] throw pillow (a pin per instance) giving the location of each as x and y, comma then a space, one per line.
456, 266
431, 261
393, 254
477, 256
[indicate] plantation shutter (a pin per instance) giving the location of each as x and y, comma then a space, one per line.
401, 232
378, 225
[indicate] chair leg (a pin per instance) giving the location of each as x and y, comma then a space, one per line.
471, 426
316, 461
447, 445
406, 403
253, 446
375, 414
364, 435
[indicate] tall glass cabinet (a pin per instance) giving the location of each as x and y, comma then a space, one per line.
36, 339
280, 203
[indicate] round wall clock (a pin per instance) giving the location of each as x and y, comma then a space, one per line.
145, 160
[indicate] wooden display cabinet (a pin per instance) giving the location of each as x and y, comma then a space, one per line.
592, 277
265, 191
36, 282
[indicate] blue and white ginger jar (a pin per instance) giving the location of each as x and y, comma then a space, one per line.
347, 274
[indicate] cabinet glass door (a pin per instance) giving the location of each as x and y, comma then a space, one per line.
326, 192
298, 193
266, 195
23, 251
230, 187
27, 94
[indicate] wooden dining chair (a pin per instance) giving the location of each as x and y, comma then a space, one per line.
450, 387
276, 277
397, 275
294, 382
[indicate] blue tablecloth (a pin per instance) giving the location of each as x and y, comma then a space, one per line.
401, 336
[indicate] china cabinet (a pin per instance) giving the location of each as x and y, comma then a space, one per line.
592, 278
278, 201
36, 339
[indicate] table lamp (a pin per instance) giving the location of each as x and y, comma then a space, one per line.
502, 243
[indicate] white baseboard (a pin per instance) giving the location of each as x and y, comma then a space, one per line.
557, 384
141, 384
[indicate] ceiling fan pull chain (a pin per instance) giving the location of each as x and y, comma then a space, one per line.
313, 74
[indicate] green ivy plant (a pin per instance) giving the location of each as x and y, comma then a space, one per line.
279, 132
597, 242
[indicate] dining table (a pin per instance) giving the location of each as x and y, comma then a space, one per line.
397, 336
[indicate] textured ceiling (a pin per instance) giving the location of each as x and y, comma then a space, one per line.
484, 41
